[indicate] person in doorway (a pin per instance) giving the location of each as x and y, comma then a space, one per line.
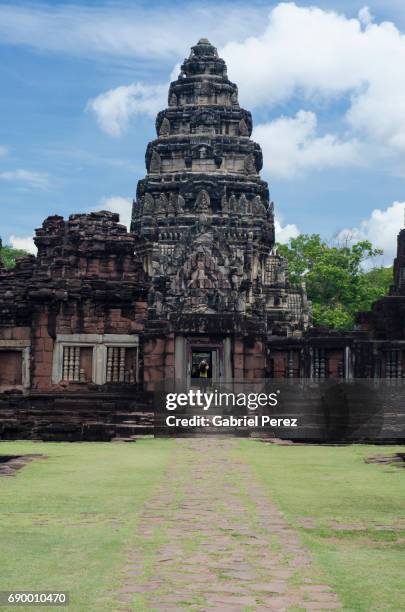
203, 369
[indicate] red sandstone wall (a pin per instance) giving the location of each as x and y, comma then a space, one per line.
15, 333
248, 359
10, 368
158, 360
41, 352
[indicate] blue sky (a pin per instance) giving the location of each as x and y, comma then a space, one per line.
81, 83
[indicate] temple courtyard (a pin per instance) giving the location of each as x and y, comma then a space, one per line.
205, 524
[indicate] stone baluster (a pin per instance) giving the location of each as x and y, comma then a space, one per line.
71, 363
66, 350
76, 373
122, 365
109, 364
115, 364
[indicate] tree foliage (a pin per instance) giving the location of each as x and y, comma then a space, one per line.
8, 255
335, 278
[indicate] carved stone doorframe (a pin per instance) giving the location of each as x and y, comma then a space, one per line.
220, 350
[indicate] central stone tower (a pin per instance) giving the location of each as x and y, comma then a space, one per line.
205, 229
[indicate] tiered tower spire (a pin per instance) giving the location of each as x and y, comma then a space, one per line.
202, 214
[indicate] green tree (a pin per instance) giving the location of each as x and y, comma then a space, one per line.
335, 279
8, 255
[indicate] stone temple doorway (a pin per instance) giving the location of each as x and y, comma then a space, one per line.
192, 350
204, 364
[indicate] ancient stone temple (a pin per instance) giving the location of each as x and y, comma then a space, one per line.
101, 315
204, 225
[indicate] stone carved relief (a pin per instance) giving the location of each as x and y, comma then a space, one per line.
148, 204
203, 201
206, 88
172, 206
180, 204
233, 204
224, 204
243, 128
162, 206
243, 204
250, 166
164, 127
199, 277
155, 162
258, 207
202, 151
204, 121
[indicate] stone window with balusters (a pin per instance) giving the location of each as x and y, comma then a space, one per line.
95, 358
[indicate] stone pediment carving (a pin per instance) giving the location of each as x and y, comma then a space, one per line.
155, 162
204, 121
243, 128
202, 151
164, 127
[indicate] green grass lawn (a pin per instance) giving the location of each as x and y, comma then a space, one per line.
348, 513
65, 522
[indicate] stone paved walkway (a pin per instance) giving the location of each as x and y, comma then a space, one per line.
212, 540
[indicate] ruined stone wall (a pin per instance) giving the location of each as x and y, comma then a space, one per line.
84, 281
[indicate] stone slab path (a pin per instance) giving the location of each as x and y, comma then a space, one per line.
211, 539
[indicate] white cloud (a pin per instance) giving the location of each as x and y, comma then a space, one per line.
321, 56
283, 234
3, 151
115, 107
381, 229
39, 180
117, 204
291, 146
26, 243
